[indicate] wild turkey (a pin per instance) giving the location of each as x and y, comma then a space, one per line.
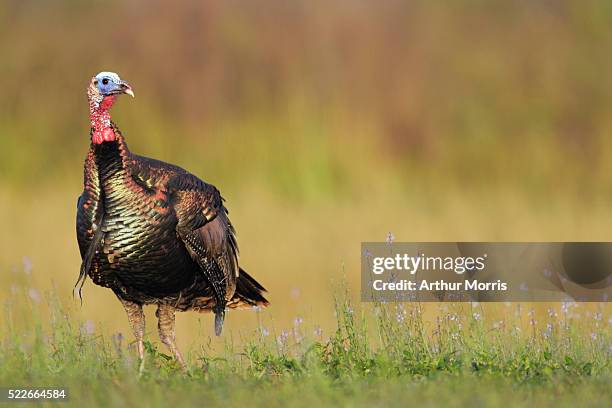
154, 233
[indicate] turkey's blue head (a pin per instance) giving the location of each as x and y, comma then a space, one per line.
109, 83
103, 90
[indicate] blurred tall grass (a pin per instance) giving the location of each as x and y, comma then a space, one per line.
323, 123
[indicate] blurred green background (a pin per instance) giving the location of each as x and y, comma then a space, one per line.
324, 124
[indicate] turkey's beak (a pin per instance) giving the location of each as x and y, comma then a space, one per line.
127, 89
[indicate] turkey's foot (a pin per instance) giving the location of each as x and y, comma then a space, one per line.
165, 324
136, 318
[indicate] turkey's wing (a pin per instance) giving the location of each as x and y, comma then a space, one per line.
205, 229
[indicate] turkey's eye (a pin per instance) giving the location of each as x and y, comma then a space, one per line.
105, 81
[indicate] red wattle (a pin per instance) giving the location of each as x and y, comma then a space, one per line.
109, 135
97, 137
104, 135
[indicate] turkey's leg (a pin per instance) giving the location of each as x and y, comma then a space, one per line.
165, 324
136, 318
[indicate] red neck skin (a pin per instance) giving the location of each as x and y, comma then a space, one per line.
99, 114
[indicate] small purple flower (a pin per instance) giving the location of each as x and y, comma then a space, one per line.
318, 331
117, 340
298, 321
87, 328
34, 295
565, 306
264, 332
548, 332
27, 265
476, 316
282, 338
390, 238
400, 316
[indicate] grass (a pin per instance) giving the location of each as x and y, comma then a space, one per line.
382, 354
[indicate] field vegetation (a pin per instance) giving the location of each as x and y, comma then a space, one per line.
379, 354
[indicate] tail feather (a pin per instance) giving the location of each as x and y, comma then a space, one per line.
219, 317
248, 293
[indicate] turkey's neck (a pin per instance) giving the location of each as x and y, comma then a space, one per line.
99, 116
111, 157
107, 144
